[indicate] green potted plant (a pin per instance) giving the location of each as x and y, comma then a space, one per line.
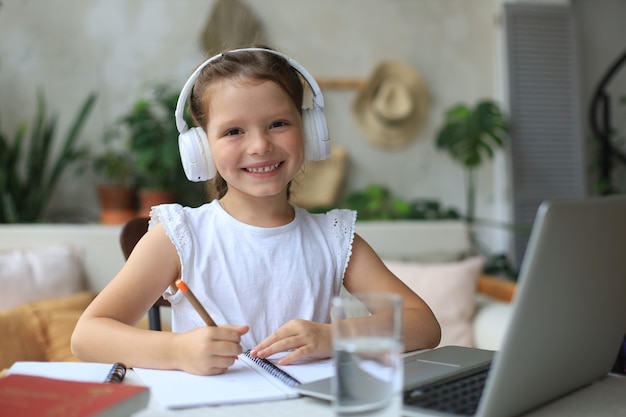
153, 142
469, 135
31, 168
377, 203
116, 181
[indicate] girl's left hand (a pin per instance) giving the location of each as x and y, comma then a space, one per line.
305, 339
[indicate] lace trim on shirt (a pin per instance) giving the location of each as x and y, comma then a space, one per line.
344, 225
172, 217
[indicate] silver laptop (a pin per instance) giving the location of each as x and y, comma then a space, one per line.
568, 319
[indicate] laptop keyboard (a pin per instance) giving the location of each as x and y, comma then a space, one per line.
459, 396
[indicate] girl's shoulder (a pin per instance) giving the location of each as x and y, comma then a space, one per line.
342, 216
334, 216
175, 213
340, 222
179, 221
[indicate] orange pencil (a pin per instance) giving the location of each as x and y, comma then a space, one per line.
182, 286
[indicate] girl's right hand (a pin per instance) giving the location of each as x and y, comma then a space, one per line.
208, 350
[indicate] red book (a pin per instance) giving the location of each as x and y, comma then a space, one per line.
34, 396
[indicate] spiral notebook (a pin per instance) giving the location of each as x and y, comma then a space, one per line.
247, 380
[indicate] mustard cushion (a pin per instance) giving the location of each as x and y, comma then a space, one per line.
41, 330
77, 301
57, 328
20, 336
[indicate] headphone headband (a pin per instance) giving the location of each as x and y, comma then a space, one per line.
193, 143
181, 125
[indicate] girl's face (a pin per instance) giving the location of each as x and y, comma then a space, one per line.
255, 134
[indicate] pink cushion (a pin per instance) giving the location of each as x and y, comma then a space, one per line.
449, 289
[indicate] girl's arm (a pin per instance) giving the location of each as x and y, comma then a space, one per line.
366, 272
106, 331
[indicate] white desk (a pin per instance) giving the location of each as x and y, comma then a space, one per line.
606, 398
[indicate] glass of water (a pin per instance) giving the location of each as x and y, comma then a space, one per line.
367, 354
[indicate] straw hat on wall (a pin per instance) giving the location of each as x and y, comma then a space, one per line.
393, 106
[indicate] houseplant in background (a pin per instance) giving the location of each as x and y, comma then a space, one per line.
470, 136
153, 142
31, 168
376, 202
114, 167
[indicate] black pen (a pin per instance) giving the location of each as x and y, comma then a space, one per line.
116, 374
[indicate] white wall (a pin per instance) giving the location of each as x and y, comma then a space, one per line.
72, 47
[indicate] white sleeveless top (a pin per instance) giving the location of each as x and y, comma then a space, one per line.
261, 277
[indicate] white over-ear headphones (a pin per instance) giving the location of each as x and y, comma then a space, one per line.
193, 144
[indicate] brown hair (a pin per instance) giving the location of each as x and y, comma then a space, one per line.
242, 65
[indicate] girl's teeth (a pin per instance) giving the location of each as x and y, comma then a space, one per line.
264, 169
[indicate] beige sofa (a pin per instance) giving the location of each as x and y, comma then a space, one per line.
424, 254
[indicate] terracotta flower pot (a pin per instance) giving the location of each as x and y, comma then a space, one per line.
153, 197
117, 204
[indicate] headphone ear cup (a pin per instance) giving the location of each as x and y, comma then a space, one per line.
316, 138
195, 155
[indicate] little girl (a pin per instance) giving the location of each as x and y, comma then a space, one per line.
265, 270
